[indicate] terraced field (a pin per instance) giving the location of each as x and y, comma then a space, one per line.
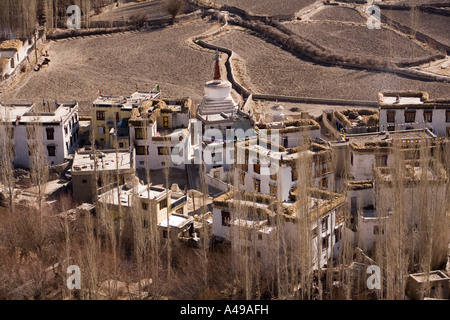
154, 9
433, 25
272, 70
359, 40
268, 7
117, 64
339, 13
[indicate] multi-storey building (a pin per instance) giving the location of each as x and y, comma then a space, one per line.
405, 110
56, 132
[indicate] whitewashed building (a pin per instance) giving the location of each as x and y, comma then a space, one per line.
405, 110
267, 168
12, 53
151, 204
56, 130
160, 134
249, 220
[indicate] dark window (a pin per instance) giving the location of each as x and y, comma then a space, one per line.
120, 144
145, 205
272, 190
324, 183
378, 230
51, 151
428, 115
84, 181
325, 243
226, 218
324, 224
165, 234
381, 160
163, 204
410, 116
163, 151
447, 116
390, 116
285, 142
100, 115
257, 183
50, 133
294, 174
337, 234
139, 133
140, 150
257, 168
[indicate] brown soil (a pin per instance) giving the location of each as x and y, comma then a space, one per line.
267, 7
152, 9
433, 25
358, 40
338, 13
117, 63
272, 70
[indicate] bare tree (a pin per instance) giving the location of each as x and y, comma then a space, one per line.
175, 7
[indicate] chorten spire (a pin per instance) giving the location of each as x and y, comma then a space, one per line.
217, 75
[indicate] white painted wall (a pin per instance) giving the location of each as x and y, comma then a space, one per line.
438, 120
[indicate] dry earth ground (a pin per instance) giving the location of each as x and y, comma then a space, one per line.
272, 70
436, 26
338, 13
268, 7
358, 40
116, 64
154, 9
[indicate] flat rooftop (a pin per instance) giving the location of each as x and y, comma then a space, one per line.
402, 100
26, 113
127, 193
412, 173
176, 221
126, 103
11, 112
275, 152
369, 139
106, 160
436, 275
402, 97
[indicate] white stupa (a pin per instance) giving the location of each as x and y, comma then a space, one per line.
217, 99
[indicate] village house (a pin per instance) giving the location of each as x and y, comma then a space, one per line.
354, 120
357, 154
94, 172
152, 204
254, 221
12, 53
434, 285
160, 131
57, 130
372, 202
268, 168
110, 115
290, 133
403, 110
